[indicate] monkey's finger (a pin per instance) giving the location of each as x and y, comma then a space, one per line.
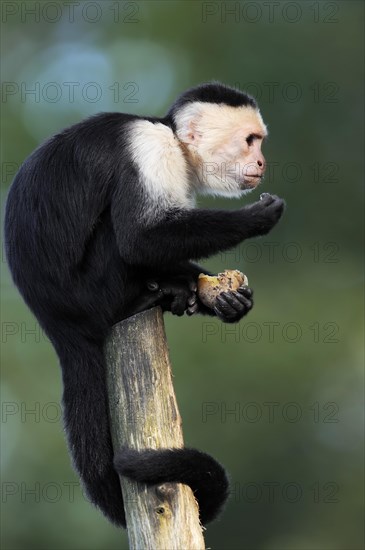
232, 300
263, 195
224, 306
266, 198
226, 313
246, 302
246, 291
192, 299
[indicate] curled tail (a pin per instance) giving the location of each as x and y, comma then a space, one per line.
86, 419
201, 472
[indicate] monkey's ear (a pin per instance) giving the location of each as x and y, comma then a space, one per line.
187, 122
192, 135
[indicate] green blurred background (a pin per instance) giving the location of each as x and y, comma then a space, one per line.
279, 398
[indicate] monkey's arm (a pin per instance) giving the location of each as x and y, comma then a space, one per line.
192, 234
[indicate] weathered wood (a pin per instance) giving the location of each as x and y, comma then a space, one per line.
144, 414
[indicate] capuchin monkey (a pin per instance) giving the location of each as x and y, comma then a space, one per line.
101, 224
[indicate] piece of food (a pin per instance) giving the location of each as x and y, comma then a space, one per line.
210, 287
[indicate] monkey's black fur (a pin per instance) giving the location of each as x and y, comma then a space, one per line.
213, 93
82, 259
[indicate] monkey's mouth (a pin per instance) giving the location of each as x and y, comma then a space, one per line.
249, 182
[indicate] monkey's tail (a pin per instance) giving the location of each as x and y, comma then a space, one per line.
206, 477
86, 420
87, 426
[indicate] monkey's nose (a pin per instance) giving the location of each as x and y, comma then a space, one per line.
261, 164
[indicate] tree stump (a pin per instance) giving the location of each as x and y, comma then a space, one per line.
144, 414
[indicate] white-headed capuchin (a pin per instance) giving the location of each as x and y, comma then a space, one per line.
101, 224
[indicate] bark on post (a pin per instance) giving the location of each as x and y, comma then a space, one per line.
144, 414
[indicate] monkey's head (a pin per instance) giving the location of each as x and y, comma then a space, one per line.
221, 131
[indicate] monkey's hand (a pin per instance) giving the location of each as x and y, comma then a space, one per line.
263, 214
231, 306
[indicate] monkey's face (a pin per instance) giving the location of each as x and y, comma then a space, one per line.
224, 147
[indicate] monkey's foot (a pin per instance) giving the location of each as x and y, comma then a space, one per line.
174, 296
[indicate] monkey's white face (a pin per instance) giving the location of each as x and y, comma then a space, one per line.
224, 146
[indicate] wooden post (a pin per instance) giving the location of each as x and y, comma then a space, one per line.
144, 414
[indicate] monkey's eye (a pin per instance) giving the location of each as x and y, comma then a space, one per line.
249, 139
